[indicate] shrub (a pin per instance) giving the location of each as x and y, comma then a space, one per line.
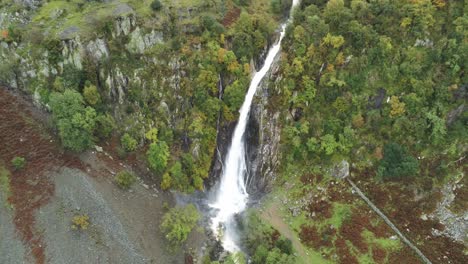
91, 95
178, 223
72, 77
128, 142
4, 181
234, 95
18, 162
121, 153
156, 5
105, 125
80, 222
210, 24
58, 84
125, 179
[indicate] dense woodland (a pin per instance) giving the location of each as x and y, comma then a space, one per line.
366, 80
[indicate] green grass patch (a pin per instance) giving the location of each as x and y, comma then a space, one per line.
385, 243
294, 224
341, 212
4, 181
91, 17
365, 259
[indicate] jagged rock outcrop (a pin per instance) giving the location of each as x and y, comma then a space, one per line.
340, 170
456, 225
25, 71
28, 3
140, 42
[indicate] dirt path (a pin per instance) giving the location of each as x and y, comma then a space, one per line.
273, 216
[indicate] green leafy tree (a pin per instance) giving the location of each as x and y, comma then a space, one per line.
328, 144
438, 127
261, 254
275, 256
152, 135
179, 179
285, 245
235, 258
280, 6
158, 155
397, 163
234, 95
105, 125
75, 122
178, 223
263, 249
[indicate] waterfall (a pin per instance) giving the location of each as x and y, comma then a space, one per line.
231, 197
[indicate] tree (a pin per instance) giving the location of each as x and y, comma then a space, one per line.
91, 95
158, 155
156, 5
328, 144
178, 223
275, 256
105, 125
75, 122
285, 245
234, 95
181, 181
280, 6
128, 142
438, 127
397, 163
398, 108
152, 135
166, 182
235, 258
210, 24
261, 253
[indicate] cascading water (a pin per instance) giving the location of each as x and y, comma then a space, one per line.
231, 197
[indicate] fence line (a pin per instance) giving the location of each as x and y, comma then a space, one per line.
389, 223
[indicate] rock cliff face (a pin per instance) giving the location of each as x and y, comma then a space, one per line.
263, 135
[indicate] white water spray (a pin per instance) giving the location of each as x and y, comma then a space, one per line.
231, 197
